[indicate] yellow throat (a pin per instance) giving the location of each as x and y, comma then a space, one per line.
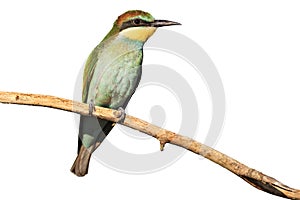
138, 33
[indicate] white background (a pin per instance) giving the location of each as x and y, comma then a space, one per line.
255, 46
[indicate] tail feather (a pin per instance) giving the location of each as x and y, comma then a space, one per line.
81, 163
97, 128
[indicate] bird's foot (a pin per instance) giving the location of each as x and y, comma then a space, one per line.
120, 114
91, 107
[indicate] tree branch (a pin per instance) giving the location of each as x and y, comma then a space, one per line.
252, 176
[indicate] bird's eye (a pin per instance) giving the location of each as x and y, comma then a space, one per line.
136, 21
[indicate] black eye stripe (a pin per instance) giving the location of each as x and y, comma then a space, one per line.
134, 23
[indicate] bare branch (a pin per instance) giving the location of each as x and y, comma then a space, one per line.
252, 176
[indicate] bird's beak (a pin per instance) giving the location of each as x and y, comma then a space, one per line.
160, 23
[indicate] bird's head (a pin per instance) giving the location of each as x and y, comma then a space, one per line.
137, 25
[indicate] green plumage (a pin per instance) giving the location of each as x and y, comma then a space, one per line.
112, 72
110, 78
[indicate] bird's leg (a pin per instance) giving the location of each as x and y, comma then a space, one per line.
120, 115
91, 107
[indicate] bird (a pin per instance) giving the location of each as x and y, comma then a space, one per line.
111, 75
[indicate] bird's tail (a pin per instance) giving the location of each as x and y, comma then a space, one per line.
81, 164
98, 129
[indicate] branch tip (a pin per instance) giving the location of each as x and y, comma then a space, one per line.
162, 144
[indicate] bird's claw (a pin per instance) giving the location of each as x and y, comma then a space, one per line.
91, 107
120, 114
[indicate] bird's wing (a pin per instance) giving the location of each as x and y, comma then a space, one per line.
89, 69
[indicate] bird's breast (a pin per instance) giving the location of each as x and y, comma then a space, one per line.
115, 79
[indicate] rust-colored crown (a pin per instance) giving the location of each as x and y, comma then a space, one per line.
131, 14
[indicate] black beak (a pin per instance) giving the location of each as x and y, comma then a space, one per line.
160, 23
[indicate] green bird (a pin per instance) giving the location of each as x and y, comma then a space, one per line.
111, 75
